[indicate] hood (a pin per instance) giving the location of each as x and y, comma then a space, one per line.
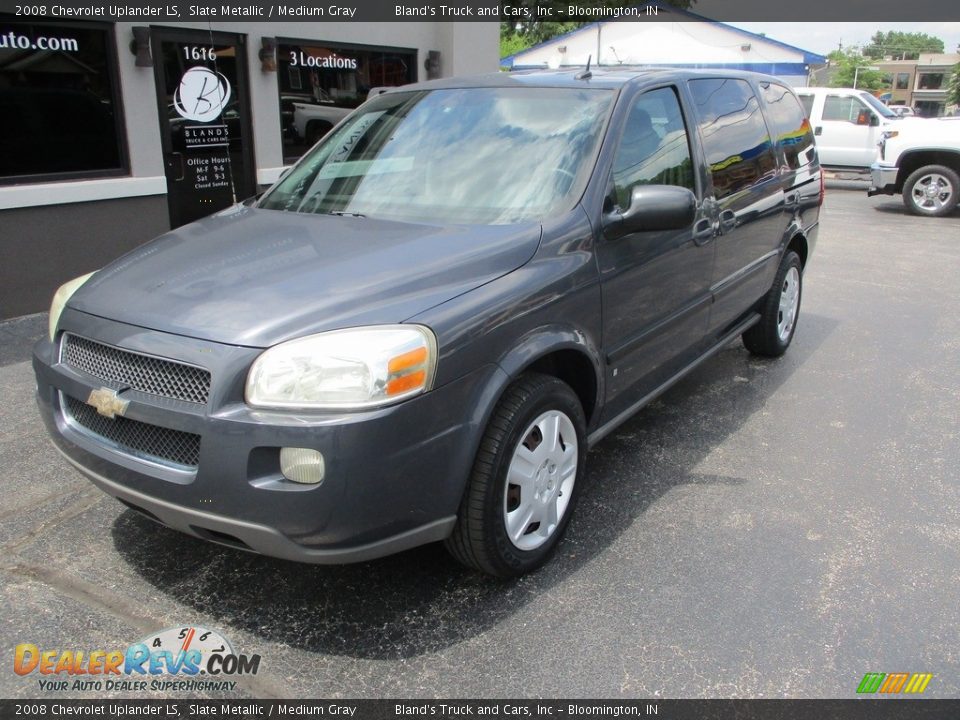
258, 277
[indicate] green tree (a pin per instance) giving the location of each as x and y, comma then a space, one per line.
512, 44
515, 39
953, 86
901, 45
851, 66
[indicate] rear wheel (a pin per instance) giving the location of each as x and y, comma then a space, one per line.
523, 487
932, 190
316, 129
779, 311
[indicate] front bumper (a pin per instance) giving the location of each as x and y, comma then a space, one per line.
883, 180
394, 477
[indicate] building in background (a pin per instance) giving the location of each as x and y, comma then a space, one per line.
677, 38
921, 83
112, 133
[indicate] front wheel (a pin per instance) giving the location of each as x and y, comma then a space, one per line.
932, 191
523, 486
779, 311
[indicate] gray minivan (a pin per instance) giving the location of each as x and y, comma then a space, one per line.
418, 332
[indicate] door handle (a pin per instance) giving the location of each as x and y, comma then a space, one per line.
703, 231
818, 130
793, 198
728, 220
175, 166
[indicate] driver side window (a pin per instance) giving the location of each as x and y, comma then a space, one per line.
654, 148
845, 109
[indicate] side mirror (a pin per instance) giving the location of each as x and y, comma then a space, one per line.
653, 207
874, 120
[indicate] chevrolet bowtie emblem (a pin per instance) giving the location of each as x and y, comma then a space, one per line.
107, 402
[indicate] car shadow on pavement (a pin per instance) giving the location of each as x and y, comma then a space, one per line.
422, 601
896, 207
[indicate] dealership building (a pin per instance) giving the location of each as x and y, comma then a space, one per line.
675, 38
112, 133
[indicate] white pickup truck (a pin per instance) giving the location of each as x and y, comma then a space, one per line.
847, 124
313, 121
922, 162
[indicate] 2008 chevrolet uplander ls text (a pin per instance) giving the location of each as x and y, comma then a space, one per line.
416, 334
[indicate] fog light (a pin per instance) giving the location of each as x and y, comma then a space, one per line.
302, 465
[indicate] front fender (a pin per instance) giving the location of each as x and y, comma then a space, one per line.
551, 339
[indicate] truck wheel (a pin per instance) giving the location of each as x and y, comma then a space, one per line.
779, 311
932, 191
316, 129
523, 486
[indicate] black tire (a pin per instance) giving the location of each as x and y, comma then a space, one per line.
764, 337
315, 130
479, 539
915, 181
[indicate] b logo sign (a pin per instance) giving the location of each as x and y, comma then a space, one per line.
202, 94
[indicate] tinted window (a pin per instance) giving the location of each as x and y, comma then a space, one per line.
735, 136
654, 149
320, 83
807, 102
930, 81
57, 100
790, 125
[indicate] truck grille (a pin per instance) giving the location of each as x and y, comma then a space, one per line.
148, 374
135, 437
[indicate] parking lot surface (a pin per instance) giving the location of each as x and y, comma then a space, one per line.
765, 529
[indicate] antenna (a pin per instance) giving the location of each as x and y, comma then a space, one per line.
586, 74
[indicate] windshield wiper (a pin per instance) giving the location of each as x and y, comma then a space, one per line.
345, 213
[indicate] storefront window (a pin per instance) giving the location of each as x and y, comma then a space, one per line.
59, 115
930, 81
320, 83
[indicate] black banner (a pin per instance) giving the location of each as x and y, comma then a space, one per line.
483, 10
853, 709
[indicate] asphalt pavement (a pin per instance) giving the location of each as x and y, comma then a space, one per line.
765, 529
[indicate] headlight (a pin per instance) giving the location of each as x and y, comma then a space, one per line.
355, 368
60, 298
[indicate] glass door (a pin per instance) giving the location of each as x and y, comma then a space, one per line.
203, 99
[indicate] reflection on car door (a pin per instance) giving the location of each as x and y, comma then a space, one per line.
744, 182
655, 284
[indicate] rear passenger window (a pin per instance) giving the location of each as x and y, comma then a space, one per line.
654, 148
790, 125
735, 136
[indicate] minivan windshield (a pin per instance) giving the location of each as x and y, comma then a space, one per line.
468, 155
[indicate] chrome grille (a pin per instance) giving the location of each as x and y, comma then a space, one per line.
156, 376
135, 437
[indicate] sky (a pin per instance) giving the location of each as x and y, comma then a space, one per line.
823, 37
